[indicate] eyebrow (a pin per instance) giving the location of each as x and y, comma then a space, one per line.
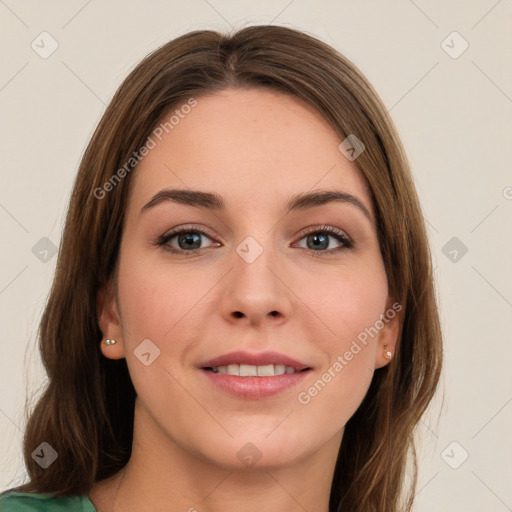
213, 201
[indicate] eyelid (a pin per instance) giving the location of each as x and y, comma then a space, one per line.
324, 228
189, 227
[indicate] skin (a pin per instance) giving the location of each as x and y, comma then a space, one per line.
256, 148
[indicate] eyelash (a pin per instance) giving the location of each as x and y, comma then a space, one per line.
163, 240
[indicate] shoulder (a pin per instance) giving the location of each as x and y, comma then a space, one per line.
35, 502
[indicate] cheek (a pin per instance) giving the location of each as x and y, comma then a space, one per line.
348, 355
154, 301
156, 298
160, 303
349, 304
344, 303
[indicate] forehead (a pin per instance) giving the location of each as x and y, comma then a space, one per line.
252, 146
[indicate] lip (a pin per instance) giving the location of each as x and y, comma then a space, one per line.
260, 359
254, 387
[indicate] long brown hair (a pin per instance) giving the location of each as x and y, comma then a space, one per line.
86, 411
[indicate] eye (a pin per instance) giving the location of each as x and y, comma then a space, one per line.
317, 239
186, 241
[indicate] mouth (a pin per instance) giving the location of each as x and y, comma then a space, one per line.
250, 375
251, 364
248, 370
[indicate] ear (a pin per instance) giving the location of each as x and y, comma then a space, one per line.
109, 321
388, 335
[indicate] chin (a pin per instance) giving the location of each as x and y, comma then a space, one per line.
256, 449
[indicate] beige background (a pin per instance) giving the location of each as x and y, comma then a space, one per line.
453, 114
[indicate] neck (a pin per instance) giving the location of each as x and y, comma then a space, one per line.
162, 475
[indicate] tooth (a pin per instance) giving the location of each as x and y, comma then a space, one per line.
233, 369
266, 370
279, 369
247, 370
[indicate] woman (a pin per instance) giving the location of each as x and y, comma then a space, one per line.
243, 314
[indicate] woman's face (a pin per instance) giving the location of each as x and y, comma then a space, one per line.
249, 275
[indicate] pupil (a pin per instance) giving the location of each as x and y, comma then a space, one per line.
189, 239
316, 243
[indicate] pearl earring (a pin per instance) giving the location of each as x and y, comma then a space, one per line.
387, 354
109, 342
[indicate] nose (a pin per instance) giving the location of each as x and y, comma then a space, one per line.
256, 292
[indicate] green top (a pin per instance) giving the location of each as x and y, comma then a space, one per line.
34, 502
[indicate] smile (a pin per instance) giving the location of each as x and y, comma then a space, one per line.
248, 370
